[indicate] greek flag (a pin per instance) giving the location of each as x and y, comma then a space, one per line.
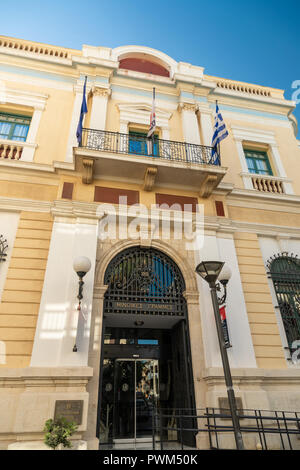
220, 133
83, 111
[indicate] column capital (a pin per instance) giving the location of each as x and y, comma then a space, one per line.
192, 107
101, 91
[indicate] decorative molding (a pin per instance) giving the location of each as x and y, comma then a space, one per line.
255, 135
20, 205
258, 199
139, 113
145, 52
149, 178
283, 254
24, 98
243, 87
193, 107
34, 50
101, 91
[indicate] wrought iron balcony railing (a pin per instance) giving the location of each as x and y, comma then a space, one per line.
136, 144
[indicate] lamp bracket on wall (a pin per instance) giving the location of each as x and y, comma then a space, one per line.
3, 248
221, 286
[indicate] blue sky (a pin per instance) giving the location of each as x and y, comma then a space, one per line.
254, 41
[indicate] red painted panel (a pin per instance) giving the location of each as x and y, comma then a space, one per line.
112, 195
141, 65
67, 192
184, 202
220, 209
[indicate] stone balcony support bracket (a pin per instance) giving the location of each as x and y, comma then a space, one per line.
149, 179
88, 170
208, 185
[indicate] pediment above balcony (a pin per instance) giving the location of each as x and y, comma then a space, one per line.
140, 113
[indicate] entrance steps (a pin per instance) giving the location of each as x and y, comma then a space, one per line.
143, 443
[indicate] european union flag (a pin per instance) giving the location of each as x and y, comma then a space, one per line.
83, 111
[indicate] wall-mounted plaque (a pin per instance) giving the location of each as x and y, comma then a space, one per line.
69, 409
225, 408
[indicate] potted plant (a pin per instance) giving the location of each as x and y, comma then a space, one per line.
58, 433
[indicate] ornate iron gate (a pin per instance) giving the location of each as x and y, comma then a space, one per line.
144, 281
284, 270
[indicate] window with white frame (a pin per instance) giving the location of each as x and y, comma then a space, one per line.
14, 127
258, 162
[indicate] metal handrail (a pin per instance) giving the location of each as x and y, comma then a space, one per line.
116, 142
274, 429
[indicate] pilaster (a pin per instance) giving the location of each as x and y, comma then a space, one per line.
190, 123
99, 107
58, 314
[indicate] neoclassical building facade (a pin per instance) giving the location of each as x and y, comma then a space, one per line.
145, 328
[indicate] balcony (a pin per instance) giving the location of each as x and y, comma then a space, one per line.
149, 162
11, 151
268, 184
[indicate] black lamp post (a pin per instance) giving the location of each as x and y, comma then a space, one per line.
210, 271
81, 266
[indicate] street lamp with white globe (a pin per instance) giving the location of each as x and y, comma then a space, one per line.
211, 272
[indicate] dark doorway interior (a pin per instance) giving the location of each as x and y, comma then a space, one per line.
145, 363
143, 370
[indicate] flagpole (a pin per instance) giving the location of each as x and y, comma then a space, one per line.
153, 131
218, 145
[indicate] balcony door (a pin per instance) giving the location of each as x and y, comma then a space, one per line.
139, 144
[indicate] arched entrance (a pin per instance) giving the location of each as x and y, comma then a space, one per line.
145, 360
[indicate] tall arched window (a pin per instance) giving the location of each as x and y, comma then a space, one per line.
284, 270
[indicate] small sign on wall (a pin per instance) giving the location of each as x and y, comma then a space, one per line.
70, 410
225, 407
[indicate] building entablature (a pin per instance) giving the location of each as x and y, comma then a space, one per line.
113, 59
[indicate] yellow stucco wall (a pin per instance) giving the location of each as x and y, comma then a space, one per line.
263, 324
23, 288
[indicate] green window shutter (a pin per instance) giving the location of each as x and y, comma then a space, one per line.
258, 162
14, 127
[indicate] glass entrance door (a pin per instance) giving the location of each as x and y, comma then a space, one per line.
132, 394
136, 393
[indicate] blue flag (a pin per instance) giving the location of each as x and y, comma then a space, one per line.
83, 111
220, 133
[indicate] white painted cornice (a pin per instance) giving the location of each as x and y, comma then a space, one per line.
144, 76
267, 177
139, 113
26, 165
253, 197
253, 98
256, 135
215, 376
35, 56
18, 205
221, 225
25, 98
